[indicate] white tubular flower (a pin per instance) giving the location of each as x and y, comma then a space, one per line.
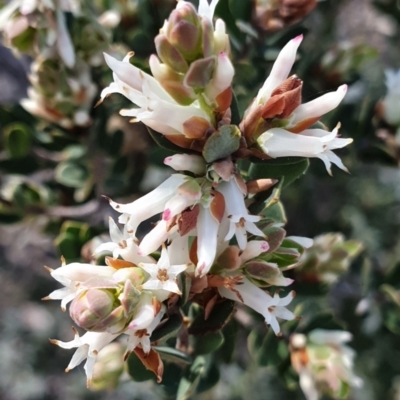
253, 249
187, 194
206, 10
151, 204
187, 162
280, 70
71, 276
156, 237
88, 346
240, 219
157, 109
141, 337
317, 107
163, 274
222, 77
318, 143
207, 230
208, 223
391, 102
123, 244
269, 307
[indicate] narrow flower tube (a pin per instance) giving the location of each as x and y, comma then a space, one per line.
280, 70
314, 109
187, 162
263, 303
151, 204
155, 238
221, 79
207, 230
318, 143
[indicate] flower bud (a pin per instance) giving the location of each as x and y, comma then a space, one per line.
184, 30
92, 307
108, 368
169, 54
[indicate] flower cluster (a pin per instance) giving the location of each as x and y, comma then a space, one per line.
62, 90
324, 363
205, 229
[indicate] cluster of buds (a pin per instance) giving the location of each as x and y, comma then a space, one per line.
324, 363
273, 15
328, 258
62, 90
206, 233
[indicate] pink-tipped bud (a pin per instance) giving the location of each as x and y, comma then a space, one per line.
187, 162
184, 31
90, 308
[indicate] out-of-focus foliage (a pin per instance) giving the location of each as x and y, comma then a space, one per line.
61, 156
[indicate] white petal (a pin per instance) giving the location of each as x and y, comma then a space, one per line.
319, 106
171, 286
280, 70
153, 284
207, 230
155, 238
222, 77
151, 269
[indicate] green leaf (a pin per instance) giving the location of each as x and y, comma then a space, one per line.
189, 382
185, 284
266, 349
68, 246
17, 139
218, 318
290, 168
235, 113
275, 213
170, 354
137, 370
168, 329
222, 143
208, 343
209, 378
71, 174
74, 152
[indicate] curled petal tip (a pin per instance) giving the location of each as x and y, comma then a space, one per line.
98, 102
343, 88
45, 298
48, 269
298, 38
